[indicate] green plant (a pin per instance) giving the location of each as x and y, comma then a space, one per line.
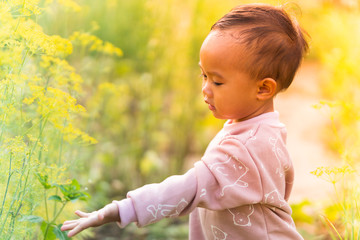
70, 192
40, 139
341, 215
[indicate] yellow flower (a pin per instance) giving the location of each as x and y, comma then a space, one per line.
61, 73
332, 174
15, 145
71, 133
40, 43
55, 174
95, 44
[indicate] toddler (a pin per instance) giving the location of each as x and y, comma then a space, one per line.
240, 188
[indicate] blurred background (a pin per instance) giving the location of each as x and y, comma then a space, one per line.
146, 111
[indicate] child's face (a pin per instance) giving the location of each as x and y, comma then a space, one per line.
229, 92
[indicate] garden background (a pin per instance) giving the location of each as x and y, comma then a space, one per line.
101, 97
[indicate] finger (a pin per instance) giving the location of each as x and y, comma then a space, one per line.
75, 231
72, 233
69, 226
69, 222
82, 225
81, 214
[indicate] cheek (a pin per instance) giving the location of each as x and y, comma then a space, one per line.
229, 97
226, 102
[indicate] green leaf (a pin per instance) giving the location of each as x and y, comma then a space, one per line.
55, 198
85, 196
31, 218
73, 191
44, 180
50, 233
60, 234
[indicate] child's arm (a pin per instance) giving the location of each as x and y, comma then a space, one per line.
109, 213
124, 212
220, 181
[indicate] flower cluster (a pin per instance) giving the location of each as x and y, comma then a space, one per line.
95, 44
333, 174
39, 113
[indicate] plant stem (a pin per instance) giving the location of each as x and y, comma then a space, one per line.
23, 61
7, 186
12, 224
42, 124
5, 195
9, 97
57, 215
46, 206
333, 227
58, 163
47, 215
53, 220
23, 191
17, 193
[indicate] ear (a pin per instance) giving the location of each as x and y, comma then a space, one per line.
266, 89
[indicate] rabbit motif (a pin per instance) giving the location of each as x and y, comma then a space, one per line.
218, 233
166, 210
280, 156
274, 198
232, 166
241, 215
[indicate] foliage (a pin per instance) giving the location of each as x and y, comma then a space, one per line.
39, 115
142, 103
71, 192
142, 107
341, 215
339, 55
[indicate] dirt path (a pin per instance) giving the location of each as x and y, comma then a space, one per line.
305, 124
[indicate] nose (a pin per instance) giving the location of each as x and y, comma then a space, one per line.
206, 89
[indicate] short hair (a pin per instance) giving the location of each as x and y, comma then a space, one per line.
274, 42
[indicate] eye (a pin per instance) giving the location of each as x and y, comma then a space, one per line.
203, 76
218, 84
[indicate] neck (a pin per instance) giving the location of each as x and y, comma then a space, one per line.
266, 107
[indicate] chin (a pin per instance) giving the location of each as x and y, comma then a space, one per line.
220, 117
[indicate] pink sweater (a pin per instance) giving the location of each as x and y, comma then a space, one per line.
239, 189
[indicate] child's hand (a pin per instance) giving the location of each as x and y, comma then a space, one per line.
109, 213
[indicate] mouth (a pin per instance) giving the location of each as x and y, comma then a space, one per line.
211, 107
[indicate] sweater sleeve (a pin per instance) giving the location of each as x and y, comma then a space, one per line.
152, 202
225, 178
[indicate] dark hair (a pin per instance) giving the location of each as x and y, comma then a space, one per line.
274, 43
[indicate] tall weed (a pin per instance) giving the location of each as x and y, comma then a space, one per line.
339, 54
39, 114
